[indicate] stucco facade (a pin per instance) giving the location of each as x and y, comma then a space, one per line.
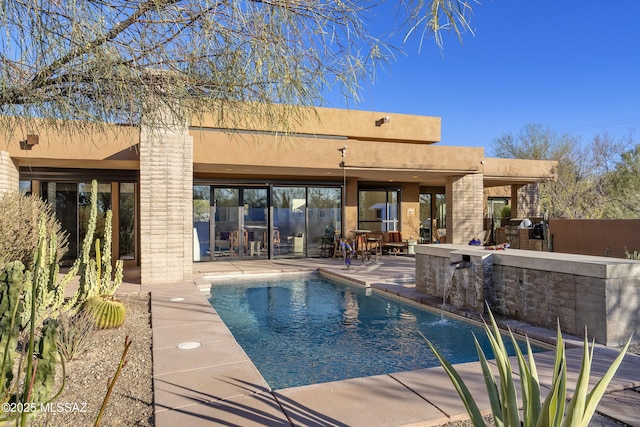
398, 153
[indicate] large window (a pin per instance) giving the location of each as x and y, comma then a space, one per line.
71, 202
258, 222
63, 197
378, 210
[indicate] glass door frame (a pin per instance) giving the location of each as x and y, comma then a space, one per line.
241, 245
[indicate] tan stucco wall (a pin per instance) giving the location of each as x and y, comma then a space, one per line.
600, 237
410, 215
499, 171
352, 123
114, 148
394, 151
245, 153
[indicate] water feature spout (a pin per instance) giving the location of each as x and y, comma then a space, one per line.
464, 263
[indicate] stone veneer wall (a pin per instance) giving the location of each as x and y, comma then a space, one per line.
9, 175
601, 294
166, 210
466, 287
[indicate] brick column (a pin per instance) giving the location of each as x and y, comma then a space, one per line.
166, 206
528, 201
465, 200
9, 175
515, 206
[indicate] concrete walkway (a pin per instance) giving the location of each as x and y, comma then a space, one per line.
215, 383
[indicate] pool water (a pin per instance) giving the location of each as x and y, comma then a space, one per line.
305, 329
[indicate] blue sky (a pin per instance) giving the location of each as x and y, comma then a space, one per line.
571, 66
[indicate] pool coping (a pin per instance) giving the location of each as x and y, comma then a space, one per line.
216, 383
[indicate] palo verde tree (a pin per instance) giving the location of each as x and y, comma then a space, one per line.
79, 63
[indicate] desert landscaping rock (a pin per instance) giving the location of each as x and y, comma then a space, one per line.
131, 402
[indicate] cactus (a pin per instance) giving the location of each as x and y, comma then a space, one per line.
27, 298
107, 312
49, 291
42, 380
96, 274
31, 300
11, 308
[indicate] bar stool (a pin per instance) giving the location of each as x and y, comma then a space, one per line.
374, 245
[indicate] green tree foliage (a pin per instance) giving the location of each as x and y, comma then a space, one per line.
120, 60
534, 142
625, 183
583, 186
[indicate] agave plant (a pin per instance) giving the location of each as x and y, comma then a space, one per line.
503, 397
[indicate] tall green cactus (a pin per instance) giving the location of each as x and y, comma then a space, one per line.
11, 308
50, 290
31, 300
96, 275
25, 302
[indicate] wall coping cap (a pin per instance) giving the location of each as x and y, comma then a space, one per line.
579, 265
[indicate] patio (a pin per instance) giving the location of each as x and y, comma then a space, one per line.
216, 383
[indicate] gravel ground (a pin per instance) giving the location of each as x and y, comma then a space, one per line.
131, 402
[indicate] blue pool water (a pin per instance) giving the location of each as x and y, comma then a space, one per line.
307, 330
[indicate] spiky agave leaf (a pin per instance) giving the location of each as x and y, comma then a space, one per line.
460, 386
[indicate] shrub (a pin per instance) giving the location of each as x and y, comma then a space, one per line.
74, 334
632, 255
19, 228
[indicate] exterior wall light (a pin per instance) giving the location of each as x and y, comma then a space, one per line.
28, 143
385, 119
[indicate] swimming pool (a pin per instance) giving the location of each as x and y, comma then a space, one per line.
306, 329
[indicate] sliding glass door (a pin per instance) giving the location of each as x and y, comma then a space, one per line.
304, 220
238, 228
238, 223
289, 221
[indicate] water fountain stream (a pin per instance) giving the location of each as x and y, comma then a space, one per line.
448, 282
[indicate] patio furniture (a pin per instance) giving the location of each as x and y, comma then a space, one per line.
392, 242
360, 239
296, 243
374, 245
234, 242
439, 236
326, 246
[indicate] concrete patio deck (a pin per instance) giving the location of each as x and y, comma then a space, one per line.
217, 384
